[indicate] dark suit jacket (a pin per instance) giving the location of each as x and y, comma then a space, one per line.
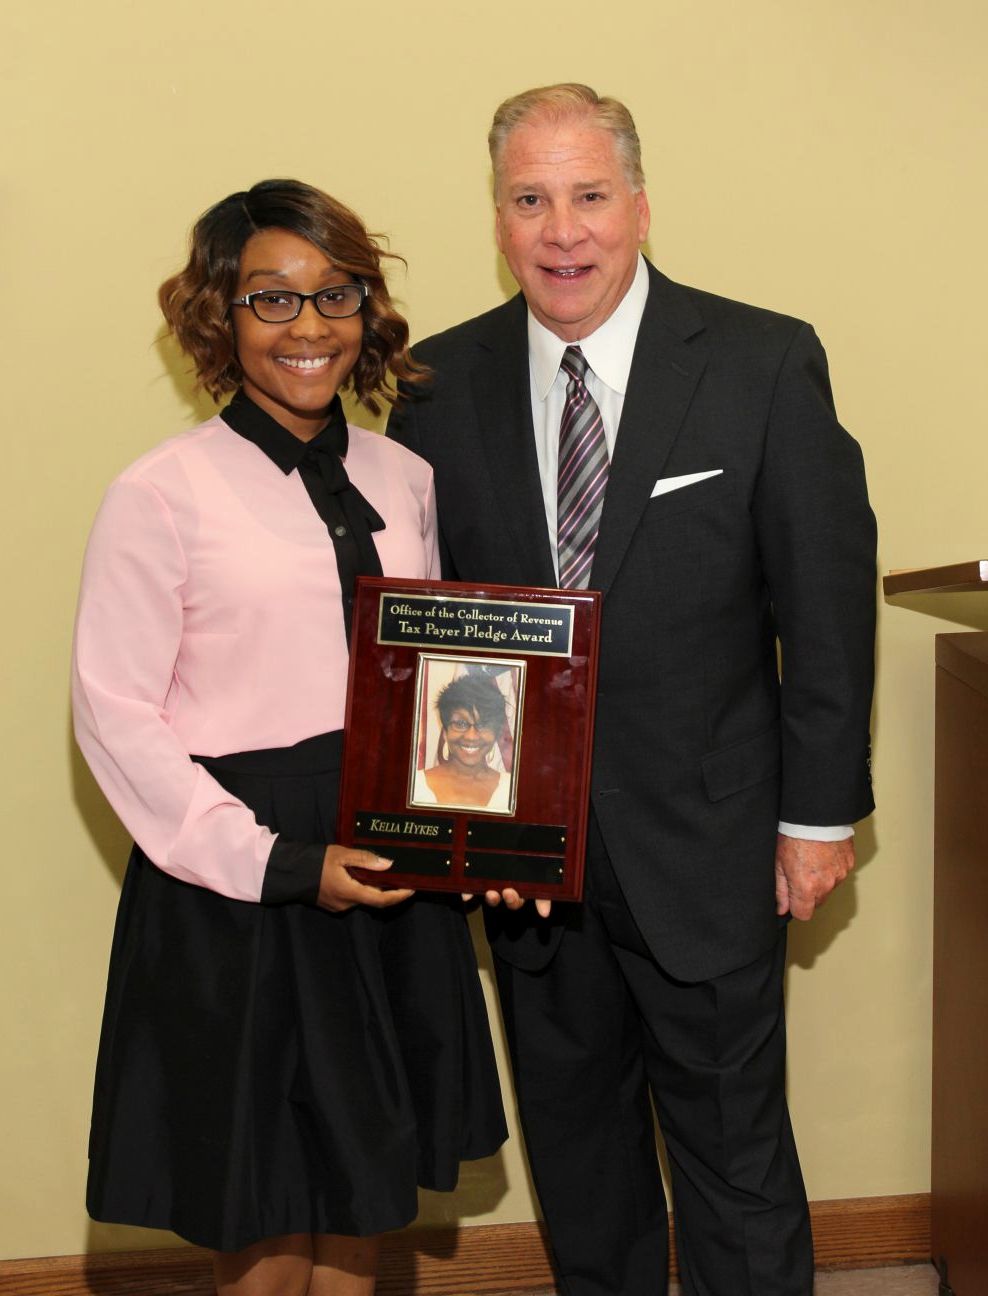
698, 750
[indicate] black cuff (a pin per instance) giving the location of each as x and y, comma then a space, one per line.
293, 873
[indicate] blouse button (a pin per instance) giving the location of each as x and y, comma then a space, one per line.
340, 531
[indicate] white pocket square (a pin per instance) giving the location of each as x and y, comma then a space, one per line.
666, 484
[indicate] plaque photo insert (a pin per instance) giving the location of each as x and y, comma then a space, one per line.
466, 733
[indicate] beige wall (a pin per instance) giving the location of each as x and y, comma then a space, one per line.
826, 159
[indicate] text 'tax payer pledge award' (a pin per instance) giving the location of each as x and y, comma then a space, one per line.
469, 727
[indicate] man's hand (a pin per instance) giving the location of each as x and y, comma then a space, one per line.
807, 871
339, 890
513, 900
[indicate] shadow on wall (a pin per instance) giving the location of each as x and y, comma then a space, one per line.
104, 1238
968, 611
198, 404
106, 832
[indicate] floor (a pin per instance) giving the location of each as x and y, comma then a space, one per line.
907, 1280
912, 1280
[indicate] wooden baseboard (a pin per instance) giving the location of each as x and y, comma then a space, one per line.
490, 1259
863, 1232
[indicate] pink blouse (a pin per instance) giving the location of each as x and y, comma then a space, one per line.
210, 622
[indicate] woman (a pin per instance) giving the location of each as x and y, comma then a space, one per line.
285, 1051
472, 716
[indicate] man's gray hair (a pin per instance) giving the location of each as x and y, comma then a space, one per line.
557, 103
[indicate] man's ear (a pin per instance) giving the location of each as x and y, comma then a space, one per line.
644, 215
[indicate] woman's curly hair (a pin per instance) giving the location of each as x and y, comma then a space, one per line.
196, 301
478, 695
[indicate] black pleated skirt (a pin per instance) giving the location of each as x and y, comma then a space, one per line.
280, 1069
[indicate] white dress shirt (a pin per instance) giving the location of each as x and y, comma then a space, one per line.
608, 352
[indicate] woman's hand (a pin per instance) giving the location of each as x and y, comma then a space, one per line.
339, 890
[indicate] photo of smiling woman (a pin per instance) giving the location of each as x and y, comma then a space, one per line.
467, 719
286, 1053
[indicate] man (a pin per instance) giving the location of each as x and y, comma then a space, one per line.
734, 515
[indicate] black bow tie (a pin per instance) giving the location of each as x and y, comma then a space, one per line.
325, 452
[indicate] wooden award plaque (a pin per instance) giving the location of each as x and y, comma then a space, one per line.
469, 733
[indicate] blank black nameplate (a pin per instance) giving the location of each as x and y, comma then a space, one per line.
407, 862
542, 870
493, 834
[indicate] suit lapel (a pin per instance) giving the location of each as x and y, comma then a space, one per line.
668, 361
502, 392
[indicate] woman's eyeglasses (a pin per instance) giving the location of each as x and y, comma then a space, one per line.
276, 307
459, 726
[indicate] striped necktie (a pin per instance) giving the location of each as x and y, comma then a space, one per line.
582, 477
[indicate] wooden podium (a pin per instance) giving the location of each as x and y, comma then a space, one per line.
959, 1162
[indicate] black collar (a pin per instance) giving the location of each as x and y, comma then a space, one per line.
281, 446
